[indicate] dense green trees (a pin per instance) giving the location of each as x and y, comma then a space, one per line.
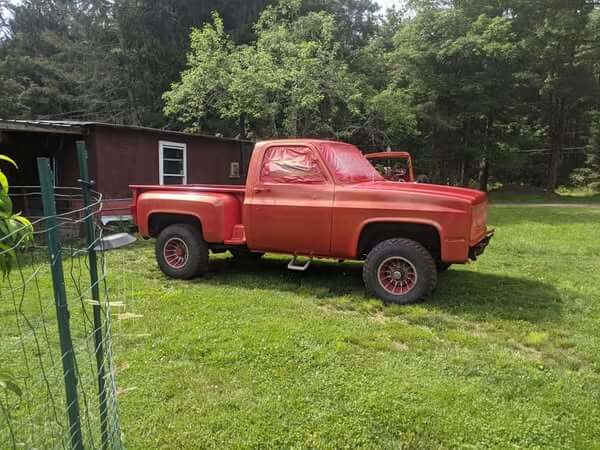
100, 59
467, 84
291, 81
459, 71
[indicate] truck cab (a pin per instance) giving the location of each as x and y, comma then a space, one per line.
318, 199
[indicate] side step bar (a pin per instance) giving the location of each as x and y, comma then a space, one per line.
294, 265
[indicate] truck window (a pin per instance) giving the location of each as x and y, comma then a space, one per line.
348, 164
291, 165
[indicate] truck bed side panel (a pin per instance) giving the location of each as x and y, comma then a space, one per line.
217, 212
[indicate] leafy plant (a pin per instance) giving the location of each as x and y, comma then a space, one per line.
15, 230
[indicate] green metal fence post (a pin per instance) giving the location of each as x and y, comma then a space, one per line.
60, 297
93, 262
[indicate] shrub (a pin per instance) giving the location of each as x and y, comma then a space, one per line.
585, 177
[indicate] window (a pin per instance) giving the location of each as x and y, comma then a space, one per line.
172, 162
291, 165
348, 164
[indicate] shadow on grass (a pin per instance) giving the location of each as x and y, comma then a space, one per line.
459, 291
497, 296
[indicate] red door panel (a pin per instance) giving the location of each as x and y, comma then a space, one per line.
291, 206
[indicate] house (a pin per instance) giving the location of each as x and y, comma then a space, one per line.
120, 155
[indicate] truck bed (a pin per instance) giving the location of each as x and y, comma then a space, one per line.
218, 207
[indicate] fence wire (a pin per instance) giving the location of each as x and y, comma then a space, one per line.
36, 414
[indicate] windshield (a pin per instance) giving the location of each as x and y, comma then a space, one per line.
348, 164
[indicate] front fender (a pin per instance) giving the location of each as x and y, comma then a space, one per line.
453, 249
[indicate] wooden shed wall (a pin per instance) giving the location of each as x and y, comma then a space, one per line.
120, 157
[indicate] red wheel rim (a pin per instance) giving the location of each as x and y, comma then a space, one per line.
397, 275
176, 253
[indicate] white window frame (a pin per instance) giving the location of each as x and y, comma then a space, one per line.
177, 145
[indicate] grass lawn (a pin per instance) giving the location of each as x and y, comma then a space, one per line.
506, 354
574, 196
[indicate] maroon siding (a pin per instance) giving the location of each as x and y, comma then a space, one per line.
120, 157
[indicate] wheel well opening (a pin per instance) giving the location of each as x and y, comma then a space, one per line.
160, 221
374, 233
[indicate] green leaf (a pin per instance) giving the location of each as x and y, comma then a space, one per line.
6, 158
3, 182
24, 221
5, 203
8, 382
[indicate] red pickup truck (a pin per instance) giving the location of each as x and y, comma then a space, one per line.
318, 199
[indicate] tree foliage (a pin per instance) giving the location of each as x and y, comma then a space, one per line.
464, 82
292, 81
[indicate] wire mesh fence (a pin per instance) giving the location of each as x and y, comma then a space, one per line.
57, 379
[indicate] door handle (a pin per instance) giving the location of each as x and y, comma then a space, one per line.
258, 190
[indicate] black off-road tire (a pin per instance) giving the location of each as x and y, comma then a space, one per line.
197, 251
245, 255
410, 251
442, 266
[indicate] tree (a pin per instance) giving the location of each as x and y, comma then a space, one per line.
552, 32
100, 59
357, 20
291, 81
61, 61
458, 71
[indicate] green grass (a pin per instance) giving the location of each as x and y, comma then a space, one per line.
560, 196
505, 355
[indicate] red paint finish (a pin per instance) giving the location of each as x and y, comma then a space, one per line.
217, 212
323, 215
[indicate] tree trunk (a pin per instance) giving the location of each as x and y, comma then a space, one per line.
554, 164
466, 135
557, 137
484, 174
242, 126
134, 118
484, 165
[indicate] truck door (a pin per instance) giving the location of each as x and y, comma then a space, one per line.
291, 204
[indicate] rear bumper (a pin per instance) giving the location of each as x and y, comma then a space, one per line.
478, 249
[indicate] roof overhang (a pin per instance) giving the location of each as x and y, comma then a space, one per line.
41, 127
81, 128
